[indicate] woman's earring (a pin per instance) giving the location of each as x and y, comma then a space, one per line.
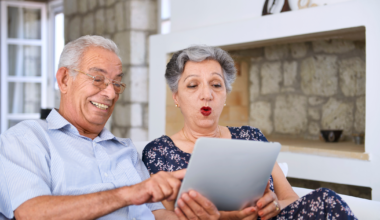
176, 105
224, 104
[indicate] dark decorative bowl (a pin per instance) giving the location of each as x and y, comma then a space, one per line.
331, 135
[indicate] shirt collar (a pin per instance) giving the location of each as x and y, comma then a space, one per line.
55, 121
105, 134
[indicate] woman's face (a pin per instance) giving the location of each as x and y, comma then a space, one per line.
201, 93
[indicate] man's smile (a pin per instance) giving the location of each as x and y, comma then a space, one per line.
99, 105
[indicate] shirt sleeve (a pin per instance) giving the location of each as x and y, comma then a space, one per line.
144, 174
25, 165
5, 203
2, 217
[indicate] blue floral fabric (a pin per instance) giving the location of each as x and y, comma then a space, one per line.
162, 155
319, 204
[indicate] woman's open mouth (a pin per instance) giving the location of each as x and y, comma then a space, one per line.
206, 111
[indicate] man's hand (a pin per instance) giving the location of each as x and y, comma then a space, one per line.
268, 205
158, 187
193, 205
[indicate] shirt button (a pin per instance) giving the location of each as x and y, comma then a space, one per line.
105, 174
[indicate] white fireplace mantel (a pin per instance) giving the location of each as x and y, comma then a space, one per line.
287, 27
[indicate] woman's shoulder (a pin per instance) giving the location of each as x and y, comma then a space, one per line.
247, 132
163, 141
161, 154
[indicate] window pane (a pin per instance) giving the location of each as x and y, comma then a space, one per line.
24, 23
24, 60
32, 23
13, 22
24, 97
165, 9
165, 27
59, 38
12, 123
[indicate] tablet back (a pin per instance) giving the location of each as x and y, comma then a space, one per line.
230, 172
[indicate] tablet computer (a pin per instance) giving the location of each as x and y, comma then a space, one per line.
230, 172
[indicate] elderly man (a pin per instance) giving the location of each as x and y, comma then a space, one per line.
70, 166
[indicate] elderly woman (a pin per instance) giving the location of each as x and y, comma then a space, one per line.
200, 78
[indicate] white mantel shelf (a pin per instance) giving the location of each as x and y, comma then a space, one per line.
341, 149
338, 19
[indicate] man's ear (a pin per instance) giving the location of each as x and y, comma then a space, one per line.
63, 77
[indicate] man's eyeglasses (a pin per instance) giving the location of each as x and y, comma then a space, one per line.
100, 81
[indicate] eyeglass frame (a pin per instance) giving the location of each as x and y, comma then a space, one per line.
109, 81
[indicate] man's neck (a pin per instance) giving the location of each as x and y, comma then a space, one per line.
93, 133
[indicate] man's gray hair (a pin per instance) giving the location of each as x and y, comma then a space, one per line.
199, 53
72, 53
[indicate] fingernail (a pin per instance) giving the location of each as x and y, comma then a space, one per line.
176, 210
259, 204
193, 194
261, 213
185, 197
252, 210
180, 203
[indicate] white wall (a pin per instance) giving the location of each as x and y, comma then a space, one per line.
286, 27
192, 14
186, 15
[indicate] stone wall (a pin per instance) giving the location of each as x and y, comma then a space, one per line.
129, 23
298, 89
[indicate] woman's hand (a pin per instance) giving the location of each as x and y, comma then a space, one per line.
249, 213
268, 205
193, 205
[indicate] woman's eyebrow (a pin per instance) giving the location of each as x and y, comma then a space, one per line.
190, 76
218, 74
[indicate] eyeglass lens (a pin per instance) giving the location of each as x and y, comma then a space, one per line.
99, 81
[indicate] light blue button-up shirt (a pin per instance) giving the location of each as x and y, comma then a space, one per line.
50, 157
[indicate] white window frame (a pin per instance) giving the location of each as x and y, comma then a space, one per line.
5, 79
54, 8
160, 19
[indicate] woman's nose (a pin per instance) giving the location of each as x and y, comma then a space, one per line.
206, 93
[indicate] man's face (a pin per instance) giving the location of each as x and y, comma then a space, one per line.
91, 106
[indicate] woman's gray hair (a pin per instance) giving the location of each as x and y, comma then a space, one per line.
72, 53
199, 53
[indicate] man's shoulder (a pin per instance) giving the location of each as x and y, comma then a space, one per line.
26, 127
26, 134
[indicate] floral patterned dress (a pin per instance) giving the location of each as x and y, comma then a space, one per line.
162, 155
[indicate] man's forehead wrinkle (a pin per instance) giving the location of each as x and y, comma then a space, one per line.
98, 69
106, 64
